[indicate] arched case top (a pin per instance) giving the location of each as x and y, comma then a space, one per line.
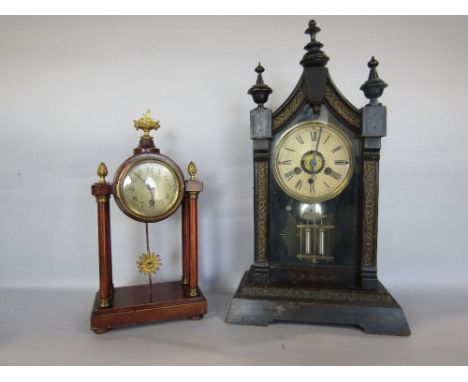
332, 97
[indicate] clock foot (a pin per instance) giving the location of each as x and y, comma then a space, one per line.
100, 330
195, 318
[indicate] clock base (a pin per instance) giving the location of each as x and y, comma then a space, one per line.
258, 303
138, 304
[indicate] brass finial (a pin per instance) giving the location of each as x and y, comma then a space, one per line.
146, 123
192, 170
102, 172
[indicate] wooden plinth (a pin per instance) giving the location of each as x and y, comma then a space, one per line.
258, 303
139, 304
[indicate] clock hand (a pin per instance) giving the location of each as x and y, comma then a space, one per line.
313, 161
139, 177
149, 188
318, 139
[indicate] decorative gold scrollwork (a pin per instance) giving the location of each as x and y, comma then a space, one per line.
370, 213
291, 107
341, 107
261, 221
318, 294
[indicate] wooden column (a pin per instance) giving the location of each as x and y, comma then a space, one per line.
192, 188
185, 239
102, 192
193, 244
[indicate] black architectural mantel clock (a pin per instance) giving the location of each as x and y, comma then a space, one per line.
316, 168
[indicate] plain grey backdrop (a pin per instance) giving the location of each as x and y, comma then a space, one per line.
71, 86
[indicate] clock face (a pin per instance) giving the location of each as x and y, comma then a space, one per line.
148, 189
313, 162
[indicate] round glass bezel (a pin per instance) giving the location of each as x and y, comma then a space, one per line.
124, 170
296, 195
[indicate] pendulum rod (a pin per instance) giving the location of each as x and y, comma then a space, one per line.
147, 238
148, 251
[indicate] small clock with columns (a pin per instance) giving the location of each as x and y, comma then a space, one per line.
148, 187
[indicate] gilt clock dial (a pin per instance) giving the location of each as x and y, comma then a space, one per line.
313, 162
149, 188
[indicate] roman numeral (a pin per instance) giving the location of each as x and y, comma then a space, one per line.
289, 175
326, 140
341, 162
326, 184
285, 162
298, 185
313, 136
312, 188
299, 139
286, 148
333, 174
337, 148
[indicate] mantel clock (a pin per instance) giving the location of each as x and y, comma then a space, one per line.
316, 167
148, 187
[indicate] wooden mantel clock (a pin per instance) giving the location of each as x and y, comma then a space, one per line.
316, 167
148, 187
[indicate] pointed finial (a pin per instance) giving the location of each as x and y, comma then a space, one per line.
260, 91
374, 87
314, 55
146, 123
102, 172
192, 170
259, 70
312, 30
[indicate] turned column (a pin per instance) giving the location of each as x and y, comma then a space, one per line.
102, 191
192, 188
185, 239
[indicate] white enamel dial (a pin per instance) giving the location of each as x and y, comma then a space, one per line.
313, 162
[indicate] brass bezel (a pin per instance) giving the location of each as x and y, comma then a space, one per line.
296, 195
134, 161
